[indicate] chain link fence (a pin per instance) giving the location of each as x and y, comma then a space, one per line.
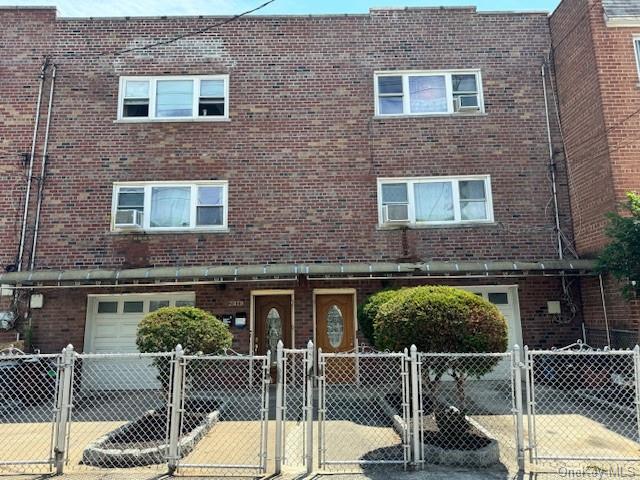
583, 410
571, 411
467, 410
28, 411
363, 410
224, 414
294, 407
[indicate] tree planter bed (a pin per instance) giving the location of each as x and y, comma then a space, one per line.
473, 449
143, 442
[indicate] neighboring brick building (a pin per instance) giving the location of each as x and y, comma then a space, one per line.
596, 50
307, 161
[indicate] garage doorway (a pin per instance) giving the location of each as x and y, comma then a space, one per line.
111, 326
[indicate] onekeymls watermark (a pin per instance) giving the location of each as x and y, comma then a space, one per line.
599, 472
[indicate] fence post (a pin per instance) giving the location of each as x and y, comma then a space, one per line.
320, 373
266, 381
516, 366
279, 406
636, 372
64, 407
176, 408
309, 406
415, 406
528, 376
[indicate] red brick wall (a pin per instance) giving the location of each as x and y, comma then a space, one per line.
302, 151
25, 36
62, 321
599, 91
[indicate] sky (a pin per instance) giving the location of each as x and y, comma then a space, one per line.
118, 8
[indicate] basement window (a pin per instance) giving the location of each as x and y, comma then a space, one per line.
174, 98
170, 206
428, 93
427, 201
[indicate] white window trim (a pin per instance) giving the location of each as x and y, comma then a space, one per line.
147, 186
405, 91
411, 181
152, 99
636, 52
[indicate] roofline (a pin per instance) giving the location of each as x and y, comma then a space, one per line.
28, 7
372, 11
632, 21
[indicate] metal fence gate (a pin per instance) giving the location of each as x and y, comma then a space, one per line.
583, 410
29, 412
363, 409
467, 414
294, 408
233, 392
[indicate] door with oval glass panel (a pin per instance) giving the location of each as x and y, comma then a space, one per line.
272, 317
336, 332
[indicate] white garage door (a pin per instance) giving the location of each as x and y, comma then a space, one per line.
505, 298
112, 323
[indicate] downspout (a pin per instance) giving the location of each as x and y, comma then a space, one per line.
604, 309
23, 232
45, 155
552, 166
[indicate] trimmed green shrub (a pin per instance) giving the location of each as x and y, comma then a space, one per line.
196, 330
369, 309
439, 319
193, 328
443, 319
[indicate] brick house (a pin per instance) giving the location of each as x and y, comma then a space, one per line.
596, 45
277, 170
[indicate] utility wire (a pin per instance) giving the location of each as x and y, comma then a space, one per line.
192, 34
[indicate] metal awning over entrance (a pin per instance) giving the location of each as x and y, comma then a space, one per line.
291, 272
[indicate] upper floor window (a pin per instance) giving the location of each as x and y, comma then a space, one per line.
167, 206
434, 200
428, 92
174, 98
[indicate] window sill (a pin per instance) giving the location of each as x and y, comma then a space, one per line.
170, 232
435, 226
172, 120
432, 115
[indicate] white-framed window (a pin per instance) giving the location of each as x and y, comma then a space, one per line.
170, 206
171, 98
428, 92
434, 200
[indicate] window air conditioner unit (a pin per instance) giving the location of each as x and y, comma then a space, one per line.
129, 219
396, 213
466, 103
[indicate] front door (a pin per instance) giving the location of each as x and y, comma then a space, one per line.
272, 317
335, 332
335, 325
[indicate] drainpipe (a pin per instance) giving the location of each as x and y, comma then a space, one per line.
552, 165
23, 232
604, 309
45, 155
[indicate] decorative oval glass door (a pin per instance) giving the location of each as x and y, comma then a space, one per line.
272, 322
274, 330
335, 326
335, 321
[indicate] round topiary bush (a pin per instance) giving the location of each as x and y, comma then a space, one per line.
369, 309
193, 328
439, 319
